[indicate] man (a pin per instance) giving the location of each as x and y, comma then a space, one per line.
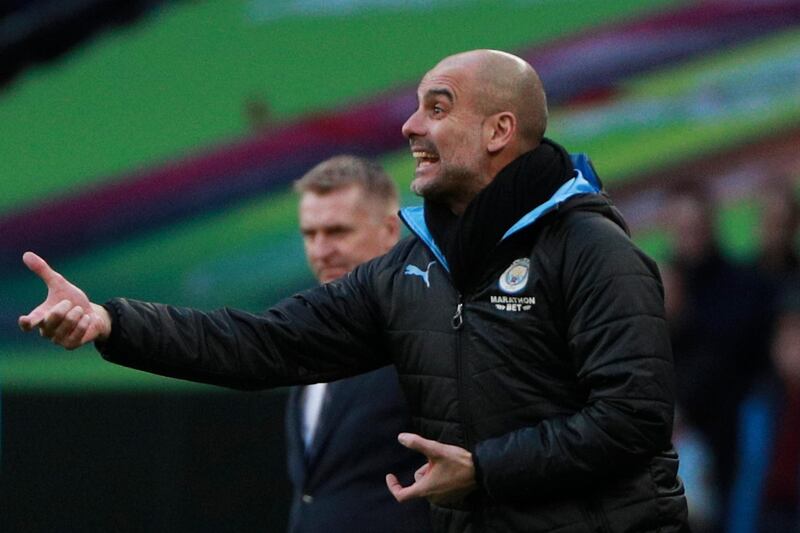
341, 437
526, 328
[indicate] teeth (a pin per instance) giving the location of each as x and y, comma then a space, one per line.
424, 155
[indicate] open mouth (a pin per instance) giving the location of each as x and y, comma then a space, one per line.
424, 158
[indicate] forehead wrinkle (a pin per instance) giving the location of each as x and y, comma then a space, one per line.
452, 79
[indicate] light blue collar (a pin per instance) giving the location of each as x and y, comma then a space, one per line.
584, 182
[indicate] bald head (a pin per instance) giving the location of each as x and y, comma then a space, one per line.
476, 112
505, 82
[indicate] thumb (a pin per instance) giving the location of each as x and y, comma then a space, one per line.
39, 266
430, 448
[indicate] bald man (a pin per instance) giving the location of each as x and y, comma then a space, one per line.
526, 328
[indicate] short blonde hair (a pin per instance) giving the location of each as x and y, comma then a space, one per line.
344, 171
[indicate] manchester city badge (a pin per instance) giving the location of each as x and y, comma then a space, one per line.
515, 277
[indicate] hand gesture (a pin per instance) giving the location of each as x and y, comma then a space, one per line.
448, 476
67, 317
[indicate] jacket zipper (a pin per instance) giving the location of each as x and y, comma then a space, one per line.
458, 319
458, 323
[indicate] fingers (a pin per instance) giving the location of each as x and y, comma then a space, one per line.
401, 493
39, 266
31, 320
394, 486
77, 337
66, 324
53, 318
430, 448
449, 474
420, 487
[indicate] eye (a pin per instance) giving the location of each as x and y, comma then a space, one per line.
437, 110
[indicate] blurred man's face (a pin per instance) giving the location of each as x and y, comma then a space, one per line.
692, 229
445, 134
342, 230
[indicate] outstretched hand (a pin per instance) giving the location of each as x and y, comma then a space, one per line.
448, 476
67, 317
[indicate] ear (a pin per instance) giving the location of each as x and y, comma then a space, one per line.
500, 130
391, 227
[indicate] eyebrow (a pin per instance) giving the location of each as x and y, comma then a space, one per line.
440, 92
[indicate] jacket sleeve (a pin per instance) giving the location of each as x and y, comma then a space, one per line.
618, 342
323, 334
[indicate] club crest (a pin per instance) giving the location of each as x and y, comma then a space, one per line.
515, 277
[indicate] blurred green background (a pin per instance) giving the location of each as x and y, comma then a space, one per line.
190, 78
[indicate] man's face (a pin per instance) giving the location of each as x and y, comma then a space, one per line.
445, 134
342, 230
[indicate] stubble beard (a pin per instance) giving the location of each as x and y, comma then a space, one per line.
453, 185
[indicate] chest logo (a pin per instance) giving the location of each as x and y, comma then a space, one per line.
413, 270
515, 277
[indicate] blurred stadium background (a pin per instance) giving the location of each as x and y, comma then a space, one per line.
146, 150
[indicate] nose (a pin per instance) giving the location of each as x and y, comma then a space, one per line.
413, 126
320, 248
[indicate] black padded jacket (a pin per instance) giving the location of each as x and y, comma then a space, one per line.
554, 368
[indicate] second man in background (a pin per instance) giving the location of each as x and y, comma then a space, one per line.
342, 436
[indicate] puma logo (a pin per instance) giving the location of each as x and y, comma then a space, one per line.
413, 270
